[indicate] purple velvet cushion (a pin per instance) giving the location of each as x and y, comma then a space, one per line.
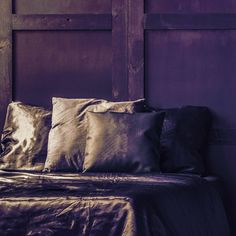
184, 139
123, 142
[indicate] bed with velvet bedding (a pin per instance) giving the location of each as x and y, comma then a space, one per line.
94, 167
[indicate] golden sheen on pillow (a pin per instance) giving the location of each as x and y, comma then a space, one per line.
67, 137
24, 138
123, 142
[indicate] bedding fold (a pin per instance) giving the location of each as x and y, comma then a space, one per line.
109, 204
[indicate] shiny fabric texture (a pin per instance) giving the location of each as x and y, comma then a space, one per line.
67, 137
184, 139
109, 205
24, 138
122, 142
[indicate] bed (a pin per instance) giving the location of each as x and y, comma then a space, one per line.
62, 177
110, 204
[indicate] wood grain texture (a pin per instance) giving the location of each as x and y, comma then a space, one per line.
61, 6
136, 49
190, 21
190, 6
63, 22
120, 50
5, 58
72, 64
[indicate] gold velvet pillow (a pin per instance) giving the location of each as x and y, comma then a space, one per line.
24, 138
123, 142
67, 137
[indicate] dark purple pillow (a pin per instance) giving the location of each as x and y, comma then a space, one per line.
184, 139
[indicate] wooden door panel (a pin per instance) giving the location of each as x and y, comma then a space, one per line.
61, 63
193, 67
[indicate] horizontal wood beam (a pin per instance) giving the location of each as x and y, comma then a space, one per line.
209, 21
62, 22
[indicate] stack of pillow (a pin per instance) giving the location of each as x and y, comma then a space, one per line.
96, 135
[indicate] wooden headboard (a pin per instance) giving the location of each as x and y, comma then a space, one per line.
105, 49
172, 52
69, 48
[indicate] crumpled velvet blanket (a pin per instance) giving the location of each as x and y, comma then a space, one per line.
109, 205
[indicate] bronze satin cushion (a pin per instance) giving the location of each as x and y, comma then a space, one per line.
24, 138
123, 142
67, 137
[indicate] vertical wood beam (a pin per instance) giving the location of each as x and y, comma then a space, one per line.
136, 49
5, 57
119, 49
